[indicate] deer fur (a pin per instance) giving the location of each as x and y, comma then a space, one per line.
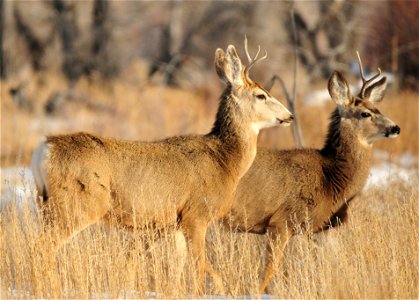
287, 189
185, 181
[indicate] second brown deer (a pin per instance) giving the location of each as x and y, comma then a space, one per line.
286, 188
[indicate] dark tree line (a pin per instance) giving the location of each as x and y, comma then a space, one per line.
170, 35
392, 40
75, 62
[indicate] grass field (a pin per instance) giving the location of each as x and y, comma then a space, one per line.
373, 256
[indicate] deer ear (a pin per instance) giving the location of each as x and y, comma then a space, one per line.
229, 67
339, 89
375, 93
219, 64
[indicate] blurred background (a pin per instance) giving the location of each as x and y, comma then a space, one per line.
144, 70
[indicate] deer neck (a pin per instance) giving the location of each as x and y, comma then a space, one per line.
347, 160
238, 140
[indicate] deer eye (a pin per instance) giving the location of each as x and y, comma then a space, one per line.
261, 97
365, 115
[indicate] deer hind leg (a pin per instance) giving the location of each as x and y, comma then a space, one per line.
66, 212
195, 233
277, 240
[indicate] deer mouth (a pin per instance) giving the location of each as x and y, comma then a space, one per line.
286, 122
392, 135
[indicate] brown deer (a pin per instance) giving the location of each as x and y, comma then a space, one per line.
184, 181
284, 188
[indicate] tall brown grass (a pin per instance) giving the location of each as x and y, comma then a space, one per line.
373, 256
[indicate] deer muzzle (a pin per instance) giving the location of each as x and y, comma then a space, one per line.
393, 131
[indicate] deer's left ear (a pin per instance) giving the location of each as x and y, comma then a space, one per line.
376, 92
339, 89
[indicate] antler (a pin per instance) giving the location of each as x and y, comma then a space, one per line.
365, 82
251, 60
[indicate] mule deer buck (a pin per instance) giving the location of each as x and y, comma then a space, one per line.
185, 181
309, 186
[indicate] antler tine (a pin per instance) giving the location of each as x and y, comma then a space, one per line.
255, 60
365, 81
361, 70
263, 57
246, 49
251, 60
257, 54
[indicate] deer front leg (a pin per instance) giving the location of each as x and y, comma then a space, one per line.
277, 240
339, 218
195, 233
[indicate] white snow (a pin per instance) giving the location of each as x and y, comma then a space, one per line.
320, 97
18, 188
393, 168
389, 172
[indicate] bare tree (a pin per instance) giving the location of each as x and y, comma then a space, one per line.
100, 59
336, 22
65, 25
36, 47
296, 128
179, 34
392, 40
3, 73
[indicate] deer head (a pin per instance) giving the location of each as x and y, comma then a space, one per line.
367, 121
258, 106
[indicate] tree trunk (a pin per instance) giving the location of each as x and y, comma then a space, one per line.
3, 73
35, 47
100, 58
67, 30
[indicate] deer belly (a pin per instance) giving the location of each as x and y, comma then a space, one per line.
145, 207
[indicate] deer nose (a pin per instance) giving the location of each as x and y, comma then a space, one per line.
290, 119
395, 130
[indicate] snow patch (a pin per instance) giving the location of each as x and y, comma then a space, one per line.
18, 188
393, 168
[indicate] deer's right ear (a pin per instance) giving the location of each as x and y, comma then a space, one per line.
339, 89
228, 66
219, 64
376, 92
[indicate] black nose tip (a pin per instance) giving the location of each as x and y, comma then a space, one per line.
292, 117
395, 130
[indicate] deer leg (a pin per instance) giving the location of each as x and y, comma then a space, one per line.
194, 233
277, 240
195, 237
65, 214
339, 218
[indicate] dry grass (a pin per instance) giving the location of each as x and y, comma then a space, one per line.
374, 256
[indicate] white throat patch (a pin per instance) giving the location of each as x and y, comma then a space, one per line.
257, 126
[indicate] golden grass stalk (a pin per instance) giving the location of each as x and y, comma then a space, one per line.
373, 256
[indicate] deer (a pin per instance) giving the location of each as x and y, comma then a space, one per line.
184, 181
311, 189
